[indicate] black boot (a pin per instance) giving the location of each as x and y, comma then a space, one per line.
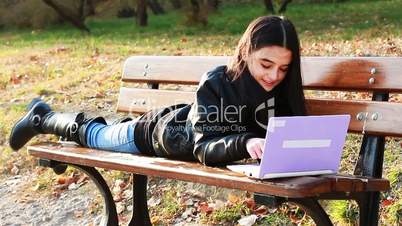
41, 120
29, 125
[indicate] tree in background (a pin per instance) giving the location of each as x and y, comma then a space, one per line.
284, 4
213, 4
156, 7
142, 16
176, 4
74, 15
270, 6
197, 11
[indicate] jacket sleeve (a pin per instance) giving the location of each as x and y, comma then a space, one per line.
213, 143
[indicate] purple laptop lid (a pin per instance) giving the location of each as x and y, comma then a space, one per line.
304, 143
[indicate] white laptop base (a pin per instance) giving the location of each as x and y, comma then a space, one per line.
253, 171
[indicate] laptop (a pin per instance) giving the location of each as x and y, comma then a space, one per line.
300, 146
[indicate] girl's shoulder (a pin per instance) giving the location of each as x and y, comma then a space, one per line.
216, 75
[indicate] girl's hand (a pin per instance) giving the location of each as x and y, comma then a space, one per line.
255, 147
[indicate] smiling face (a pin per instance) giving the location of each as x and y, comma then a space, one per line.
269, 65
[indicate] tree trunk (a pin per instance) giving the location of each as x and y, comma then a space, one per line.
176, 4
81, 9
91, 7
155, 7
213, 4
142, 16
269, 6
196, 15
284, 5
68, 15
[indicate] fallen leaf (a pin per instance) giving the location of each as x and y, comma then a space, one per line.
205, 208
262, 210
119, 197
15, 170
219, 204
117, 187
61, 180
233, 198
153, 201
78, 213
34, 58
187, 213
71, 179
120, 207
293, 217
250, 203
15, 79
248, 220
37, 186
99, 94
196, 194
155, 220
83, 178
387, 202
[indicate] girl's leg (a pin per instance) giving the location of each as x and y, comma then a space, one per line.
40, 119
118, 137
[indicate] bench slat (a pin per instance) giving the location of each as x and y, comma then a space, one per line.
195, 172
326, 73
389, 123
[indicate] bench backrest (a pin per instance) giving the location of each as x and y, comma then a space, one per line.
378, 75
375, 74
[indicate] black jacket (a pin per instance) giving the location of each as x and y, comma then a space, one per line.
215, 128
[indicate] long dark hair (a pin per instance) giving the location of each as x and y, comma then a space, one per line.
273, 31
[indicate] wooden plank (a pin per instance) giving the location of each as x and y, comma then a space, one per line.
136, 100
195, 172
326, 73
169, 69
388, 123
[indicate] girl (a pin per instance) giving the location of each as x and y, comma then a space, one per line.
226, 122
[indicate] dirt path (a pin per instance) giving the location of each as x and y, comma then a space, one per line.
20, 205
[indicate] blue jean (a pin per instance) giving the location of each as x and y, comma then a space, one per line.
118, 137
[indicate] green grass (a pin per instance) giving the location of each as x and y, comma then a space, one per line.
344, 212
169, 206
68, 67
229, 214
317, 21
276, 220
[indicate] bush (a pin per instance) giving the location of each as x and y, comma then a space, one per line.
126, 13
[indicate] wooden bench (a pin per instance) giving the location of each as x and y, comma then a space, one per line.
377, 118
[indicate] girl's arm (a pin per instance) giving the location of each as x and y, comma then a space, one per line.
215, 143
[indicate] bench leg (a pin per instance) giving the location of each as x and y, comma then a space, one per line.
140, 206
368, 208
314, 210
109, 211
310, 205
